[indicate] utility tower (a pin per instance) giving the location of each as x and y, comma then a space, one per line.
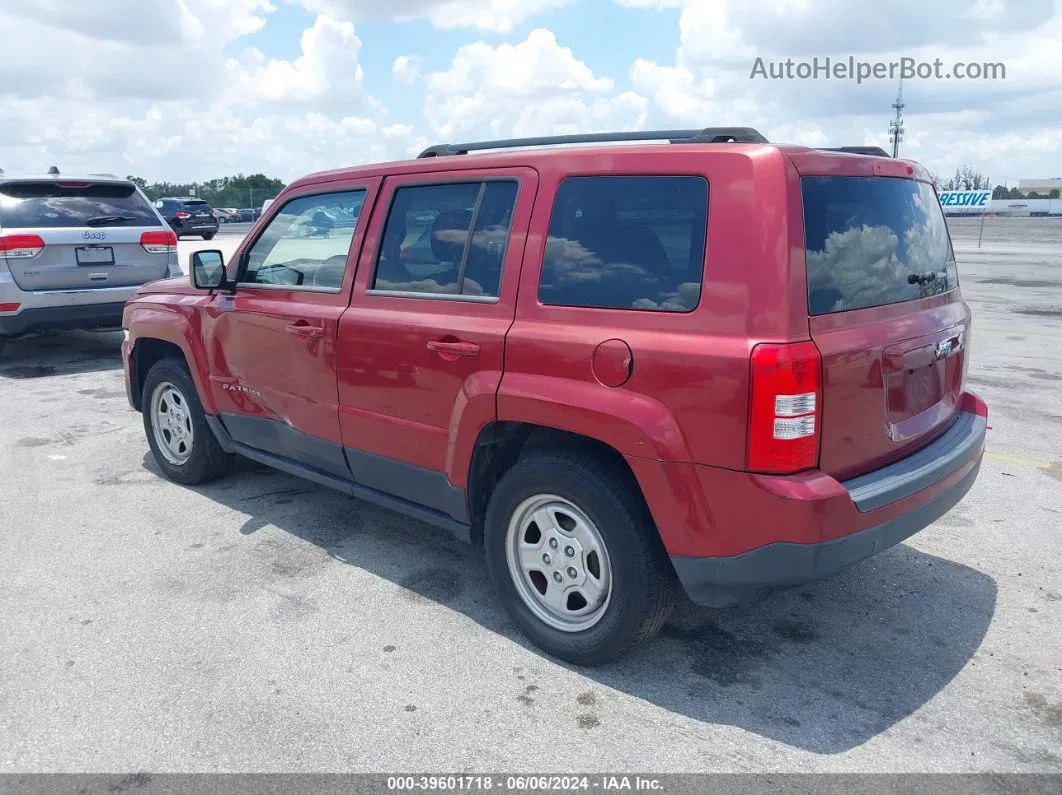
896, 125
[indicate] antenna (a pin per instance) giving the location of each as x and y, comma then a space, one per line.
896, 129
53, 170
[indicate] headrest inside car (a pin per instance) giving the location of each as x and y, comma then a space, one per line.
449, 231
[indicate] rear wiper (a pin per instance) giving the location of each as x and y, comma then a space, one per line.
923, 278
101, 220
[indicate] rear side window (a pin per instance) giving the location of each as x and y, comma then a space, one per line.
56, 205
626, 243
873, 241
447, 239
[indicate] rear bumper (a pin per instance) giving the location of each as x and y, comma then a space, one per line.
743, 535
69, 316
726, 582
196, 228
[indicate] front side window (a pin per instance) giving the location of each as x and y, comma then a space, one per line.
307, 242
626, 243
446, 239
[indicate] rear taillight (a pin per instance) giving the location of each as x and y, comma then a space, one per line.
161, 242
20, 246
786, 408
182, 216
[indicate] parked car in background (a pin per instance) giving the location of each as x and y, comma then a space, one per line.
226, 215
248, 214
74, 248
265, 206
189, 216
570, 355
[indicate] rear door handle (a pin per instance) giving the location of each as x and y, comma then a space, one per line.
454, 350
300, 328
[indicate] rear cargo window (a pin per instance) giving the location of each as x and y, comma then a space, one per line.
56, 205
873, 241
626, 243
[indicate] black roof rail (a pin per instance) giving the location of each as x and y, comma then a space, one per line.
708, 135
876, 151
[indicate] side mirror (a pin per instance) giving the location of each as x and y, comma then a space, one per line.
207, 269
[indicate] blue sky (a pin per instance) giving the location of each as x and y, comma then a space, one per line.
607, 32
303, 85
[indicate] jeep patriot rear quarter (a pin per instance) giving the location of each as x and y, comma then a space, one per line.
714, 363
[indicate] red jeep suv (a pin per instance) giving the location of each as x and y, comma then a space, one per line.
702, 362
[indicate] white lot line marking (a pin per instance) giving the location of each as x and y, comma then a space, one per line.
54, 457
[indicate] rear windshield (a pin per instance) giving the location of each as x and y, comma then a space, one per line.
873, 241
55, 205
197, 207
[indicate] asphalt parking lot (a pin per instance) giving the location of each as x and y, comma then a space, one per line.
266, 624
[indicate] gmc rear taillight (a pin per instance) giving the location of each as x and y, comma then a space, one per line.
182, 216
20, 246
161, 242
785, 408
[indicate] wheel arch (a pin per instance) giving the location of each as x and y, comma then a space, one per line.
502, 443
159, 334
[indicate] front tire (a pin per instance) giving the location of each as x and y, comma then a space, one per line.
576, 558
182, 443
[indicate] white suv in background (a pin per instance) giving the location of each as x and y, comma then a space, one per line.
74, 249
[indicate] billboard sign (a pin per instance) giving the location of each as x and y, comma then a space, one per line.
965, 199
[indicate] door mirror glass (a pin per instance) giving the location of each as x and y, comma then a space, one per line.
207, 269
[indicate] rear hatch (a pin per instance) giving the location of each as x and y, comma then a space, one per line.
886, 315
201, 215
91, 235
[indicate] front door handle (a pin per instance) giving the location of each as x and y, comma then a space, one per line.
454, 350
300, 328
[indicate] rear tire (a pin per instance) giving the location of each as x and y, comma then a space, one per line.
615, 586
209, 235
182, 443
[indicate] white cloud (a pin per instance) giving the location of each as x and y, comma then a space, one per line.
998, 126
327, 68
655, 5
112, 103
92, 85
406, 69
536, 85
497, 15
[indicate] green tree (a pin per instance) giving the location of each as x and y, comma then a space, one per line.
234, 191
967, 178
